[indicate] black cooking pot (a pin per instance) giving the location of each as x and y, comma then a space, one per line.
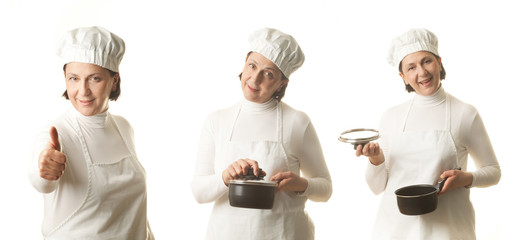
252, 191
418, 199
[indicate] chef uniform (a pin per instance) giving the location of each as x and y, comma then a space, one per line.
418, 150
286, 141
102, 192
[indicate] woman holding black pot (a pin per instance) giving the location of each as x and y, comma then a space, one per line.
427, 138
262, 132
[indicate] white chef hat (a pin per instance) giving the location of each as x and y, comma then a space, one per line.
93, 45
282, 49
414, 40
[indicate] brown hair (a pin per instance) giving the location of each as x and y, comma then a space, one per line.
113, 95
442, 73
278, 95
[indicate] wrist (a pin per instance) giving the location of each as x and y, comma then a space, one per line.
376, 161
470, 179
303, 185
224, 177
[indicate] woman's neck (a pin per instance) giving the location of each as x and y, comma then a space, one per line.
97, 120
259, 107
432, 100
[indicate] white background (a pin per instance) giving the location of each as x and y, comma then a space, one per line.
182, 62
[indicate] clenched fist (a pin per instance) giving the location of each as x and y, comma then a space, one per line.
51, 160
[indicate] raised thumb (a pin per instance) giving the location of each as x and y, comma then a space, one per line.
54, 138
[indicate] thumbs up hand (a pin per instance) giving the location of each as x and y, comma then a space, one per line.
51, 160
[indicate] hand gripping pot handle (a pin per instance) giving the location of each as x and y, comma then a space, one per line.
440, 185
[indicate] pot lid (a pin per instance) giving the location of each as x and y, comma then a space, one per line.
253, 182
359, 135
251, 179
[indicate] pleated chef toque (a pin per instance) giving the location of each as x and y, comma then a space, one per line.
414, 40
93, 45
281, 48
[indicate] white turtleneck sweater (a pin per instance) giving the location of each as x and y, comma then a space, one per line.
428, 113
106, 147
257, 121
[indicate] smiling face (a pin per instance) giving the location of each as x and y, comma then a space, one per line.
421, 70
260, 78
88, 87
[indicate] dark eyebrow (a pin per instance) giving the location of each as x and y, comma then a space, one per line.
252, 60
421, 60
267, 68
88, 76
427, 57
271, 69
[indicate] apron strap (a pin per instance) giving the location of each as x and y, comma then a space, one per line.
403, 125
279, 122
81, 138
447, 113
83, 144
123, 136
235, 117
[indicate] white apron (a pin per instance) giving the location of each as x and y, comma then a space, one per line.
115, 203
420, 157
286, 221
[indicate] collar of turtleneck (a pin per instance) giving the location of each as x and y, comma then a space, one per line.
253, 107
96, 121
433, 100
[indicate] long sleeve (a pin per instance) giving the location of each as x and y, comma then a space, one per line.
313, 167
207, 185
476, 140
40, 184
377, 176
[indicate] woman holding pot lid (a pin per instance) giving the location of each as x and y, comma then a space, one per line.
262, 132
93, 184
423, 140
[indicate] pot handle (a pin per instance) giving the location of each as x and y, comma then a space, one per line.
440, 185
355, 145
251, 174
